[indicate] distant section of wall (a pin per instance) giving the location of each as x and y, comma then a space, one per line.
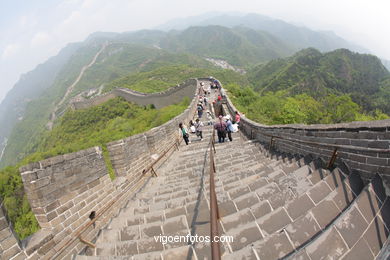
65, 190
92, 102
9, 244
365, 145
159, 100
130, 155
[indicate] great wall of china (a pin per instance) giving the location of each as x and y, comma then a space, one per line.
79, 208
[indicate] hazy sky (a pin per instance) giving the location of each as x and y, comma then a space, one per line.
32, 31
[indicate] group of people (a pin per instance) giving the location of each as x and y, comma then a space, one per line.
224, 125
195, 128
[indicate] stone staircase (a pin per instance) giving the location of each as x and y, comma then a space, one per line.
273, 205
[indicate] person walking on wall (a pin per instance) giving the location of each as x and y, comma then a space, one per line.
220, 126
229, 128
200, 110
199, 128
237, 118
184, 133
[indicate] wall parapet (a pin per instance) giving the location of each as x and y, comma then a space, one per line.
363, 146
65, 191
159, 99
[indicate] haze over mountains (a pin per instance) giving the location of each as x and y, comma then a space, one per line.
242, 41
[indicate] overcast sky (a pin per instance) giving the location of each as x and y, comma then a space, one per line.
32, 31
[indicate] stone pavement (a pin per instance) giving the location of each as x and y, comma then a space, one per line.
273, 205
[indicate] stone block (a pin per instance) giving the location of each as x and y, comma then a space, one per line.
275, 246
299, 206
329, 245
376, 235
351, 226
325, 212
52, 206
360, 251
381, 144
11, 252
274, 221
245, 235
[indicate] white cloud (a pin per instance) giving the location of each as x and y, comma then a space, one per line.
40, 39
10, 50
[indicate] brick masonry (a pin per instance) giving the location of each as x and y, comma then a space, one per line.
9, 245
159, 100
64, 190
353, 136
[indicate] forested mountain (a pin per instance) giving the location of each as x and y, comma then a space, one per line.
239, 46
30, 86
297, 37
338, 72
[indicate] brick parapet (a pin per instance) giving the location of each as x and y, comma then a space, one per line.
64, 190
159, 100
359, 143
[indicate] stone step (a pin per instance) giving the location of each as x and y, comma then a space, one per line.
359, 232
291, 226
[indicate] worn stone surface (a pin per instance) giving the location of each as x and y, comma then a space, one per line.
299, 206
329, 245
325, 212
274, 221
302, 229
360, 251
275, 246
351, 226
376, 235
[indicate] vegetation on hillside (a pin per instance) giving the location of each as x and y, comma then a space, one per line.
339, 72
239, 46
79, 130
282, 108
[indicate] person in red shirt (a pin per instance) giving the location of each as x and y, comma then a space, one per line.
237, 118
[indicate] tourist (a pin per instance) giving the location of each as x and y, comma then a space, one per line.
200, 109
220, 126
184, 133
192, 127
199, 128
237, 118
229, 127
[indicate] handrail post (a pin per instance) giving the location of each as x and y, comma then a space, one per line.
154, 173
271, 142
333, 158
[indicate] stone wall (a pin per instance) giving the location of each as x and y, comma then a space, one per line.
130, 155
364, 146
65, 190
9, 244
159, 100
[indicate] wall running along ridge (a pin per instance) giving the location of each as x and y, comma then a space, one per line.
159, 100
64, 190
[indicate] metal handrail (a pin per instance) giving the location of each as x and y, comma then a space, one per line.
110, 204
176, 143
214, 212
